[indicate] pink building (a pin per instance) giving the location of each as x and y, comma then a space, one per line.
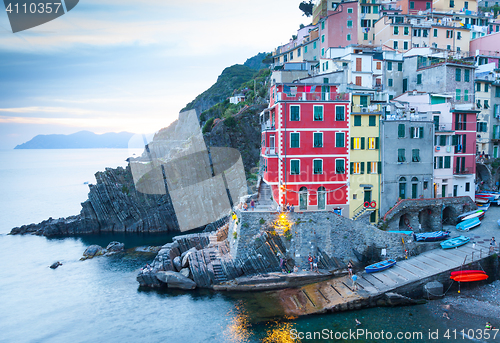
487, 47
339, 28
414, 6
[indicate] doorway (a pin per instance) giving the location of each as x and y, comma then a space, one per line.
321, 198
303, 198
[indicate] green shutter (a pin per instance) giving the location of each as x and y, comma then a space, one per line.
421, 133
352, 143
377, 143
442, 140
368, 167
379, 167
350, 167
457, 124
454, 140
401, 130
447, 161
362, 164
362, 142
463, 164
464, 142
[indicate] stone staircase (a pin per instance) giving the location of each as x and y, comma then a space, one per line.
264, 202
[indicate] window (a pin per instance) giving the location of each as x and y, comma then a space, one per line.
466, 95
396, 30
291, 55
425, 33
298, 52
449, 34
497, 92
478, 87
459, 35
482, 127
314, 45
466, 75
400, 66
318, 113
405, 45
357, 120
357, 167
389, 82
478, 104
339, 140
318, 166
379, 65
366, 9
339, 113
486, 87
375, 11
406, 30
442, 140
486, 104
322, 51
389, 65
412, 5
458, 74
349, 10
349, 23
294, 113
452, 3
447, 161
373, 143
339, 166
401, 130
348, 36
322, 38
294, 167
417, 132
322, 25
365, 36
373, 168
419, 79
395, 45
318, 139
467, 186
401, 155
356, 143
402, 187
305, 49
427, 5
466, 5
294, 140
435, 32
372, 121
457, 95
285, 58
415, 155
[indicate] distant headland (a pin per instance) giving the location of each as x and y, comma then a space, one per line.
78, 140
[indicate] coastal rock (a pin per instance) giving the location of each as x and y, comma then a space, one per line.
148, 278
175, 280
186, 272
177, 263
55, 265
115, 247
92, 251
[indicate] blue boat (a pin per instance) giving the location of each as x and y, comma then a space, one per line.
431, 236
379, 266
468, 224
455, 242
484, 207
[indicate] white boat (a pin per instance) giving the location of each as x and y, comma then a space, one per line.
478, 215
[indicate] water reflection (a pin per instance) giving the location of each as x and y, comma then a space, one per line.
237, 331
279, 332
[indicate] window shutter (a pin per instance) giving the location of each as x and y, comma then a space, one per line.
379, 167
376, 143
464, 142
362, 164
457, 124
352, 143
435, 162
421, 128
350, 167
463, 164
454, 140
368, 167
362, 142
412, 132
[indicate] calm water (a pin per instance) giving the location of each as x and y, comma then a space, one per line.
99, 299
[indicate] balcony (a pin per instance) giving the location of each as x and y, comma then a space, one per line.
267, 126
268, 151
366, 109
444, 127
313, 96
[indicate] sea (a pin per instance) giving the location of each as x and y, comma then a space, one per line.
99, 300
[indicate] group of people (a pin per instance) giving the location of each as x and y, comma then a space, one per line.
313, 262
287, 208
252, 205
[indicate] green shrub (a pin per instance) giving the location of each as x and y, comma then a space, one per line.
230, 122
208, 125
261, 221
235, 235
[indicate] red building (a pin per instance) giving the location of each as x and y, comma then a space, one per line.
305, 146
464, 140
414, 6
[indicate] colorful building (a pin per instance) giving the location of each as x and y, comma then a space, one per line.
305, 146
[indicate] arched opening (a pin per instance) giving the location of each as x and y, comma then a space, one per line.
404, 221
414, 187
448, 216
402, 187
303, 198
424, 218
483, 176
321, 198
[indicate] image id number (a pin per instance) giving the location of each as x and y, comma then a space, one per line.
34, 8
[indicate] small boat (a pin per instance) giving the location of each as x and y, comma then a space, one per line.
487, 196
482, 200
431, 236
466, 214
484, 207
469, 277
479, 215
402, 232
468, 224
379, 266
465, 272
454, 242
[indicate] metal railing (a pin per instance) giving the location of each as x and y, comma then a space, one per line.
313, 96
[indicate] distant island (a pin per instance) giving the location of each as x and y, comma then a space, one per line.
78, 140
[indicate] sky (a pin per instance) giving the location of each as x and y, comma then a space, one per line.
120, 65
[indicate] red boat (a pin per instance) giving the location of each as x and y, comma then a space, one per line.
469, 277
466, 272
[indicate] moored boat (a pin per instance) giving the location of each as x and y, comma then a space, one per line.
464, 272
463, 215
479, 215
469, 277
468, 224
481, 200
379, 266
454, 242
484, 207
431, 236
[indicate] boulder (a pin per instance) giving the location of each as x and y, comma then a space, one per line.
186, 253
115, 247
185, 257
186, 272
55, 265
177, 263
175, 280
433, 290
93, 250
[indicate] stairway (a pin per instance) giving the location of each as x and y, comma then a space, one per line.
360, 212
264, 202
219, 274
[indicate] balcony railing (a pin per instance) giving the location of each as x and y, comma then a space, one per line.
267, 126
444, 127
367, 109
315, 96
270, 151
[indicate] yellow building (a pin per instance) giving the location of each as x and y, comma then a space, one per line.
365, 165
454, 5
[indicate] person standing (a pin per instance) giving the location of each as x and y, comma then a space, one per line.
354, 282
493, 244
349, 268
310, 259
252, 204
315, 263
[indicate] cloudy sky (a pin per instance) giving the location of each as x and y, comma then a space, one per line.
120, 65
